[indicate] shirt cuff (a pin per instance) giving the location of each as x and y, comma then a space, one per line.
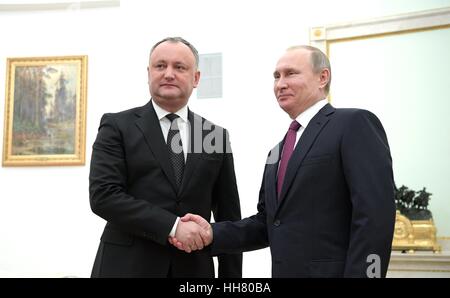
174, 228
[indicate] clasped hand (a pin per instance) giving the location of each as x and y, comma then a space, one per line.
193, 233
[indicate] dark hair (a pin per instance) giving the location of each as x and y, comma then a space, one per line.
176, 40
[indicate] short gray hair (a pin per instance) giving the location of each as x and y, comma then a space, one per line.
176, 40
319, 61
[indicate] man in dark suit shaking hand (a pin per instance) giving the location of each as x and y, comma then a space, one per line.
152, 164
326, 203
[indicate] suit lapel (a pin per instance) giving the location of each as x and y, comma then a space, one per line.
303, 146
193, 157
149, 125
271, 176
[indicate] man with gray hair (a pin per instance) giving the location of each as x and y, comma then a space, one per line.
150, 166
326, 204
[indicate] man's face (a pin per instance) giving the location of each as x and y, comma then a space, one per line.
296, 86
172, 75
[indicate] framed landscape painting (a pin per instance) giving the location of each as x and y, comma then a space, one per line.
45, 111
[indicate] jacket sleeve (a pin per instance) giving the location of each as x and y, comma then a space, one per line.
367, 166
108, 189
243, 235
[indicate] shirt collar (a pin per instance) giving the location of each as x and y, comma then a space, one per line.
305, 117
161, 113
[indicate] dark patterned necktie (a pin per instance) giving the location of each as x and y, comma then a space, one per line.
175, 147
288, 148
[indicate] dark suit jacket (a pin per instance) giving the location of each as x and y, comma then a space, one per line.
336, 206
132, 186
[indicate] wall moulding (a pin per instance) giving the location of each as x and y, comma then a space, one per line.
60, 5
322, 36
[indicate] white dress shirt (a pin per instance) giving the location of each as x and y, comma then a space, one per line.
305, 117
182, 122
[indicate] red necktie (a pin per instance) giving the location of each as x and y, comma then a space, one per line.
288, 148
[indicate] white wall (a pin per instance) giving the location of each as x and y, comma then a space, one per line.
46, 226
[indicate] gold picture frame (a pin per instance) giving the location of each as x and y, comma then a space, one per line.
45, 111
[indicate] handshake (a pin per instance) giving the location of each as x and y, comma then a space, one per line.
193, 233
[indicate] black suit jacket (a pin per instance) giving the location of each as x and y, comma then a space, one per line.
132, 186
336, 207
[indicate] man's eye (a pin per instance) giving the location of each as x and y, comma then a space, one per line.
159, 66
181, 67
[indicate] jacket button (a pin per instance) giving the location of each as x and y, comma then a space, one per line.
277, 222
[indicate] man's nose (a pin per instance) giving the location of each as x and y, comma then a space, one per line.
280, 84
169, 73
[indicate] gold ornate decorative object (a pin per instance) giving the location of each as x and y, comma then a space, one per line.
412, 235
317, 33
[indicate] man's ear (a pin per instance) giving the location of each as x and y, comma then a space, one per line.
196, 78
324, 77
